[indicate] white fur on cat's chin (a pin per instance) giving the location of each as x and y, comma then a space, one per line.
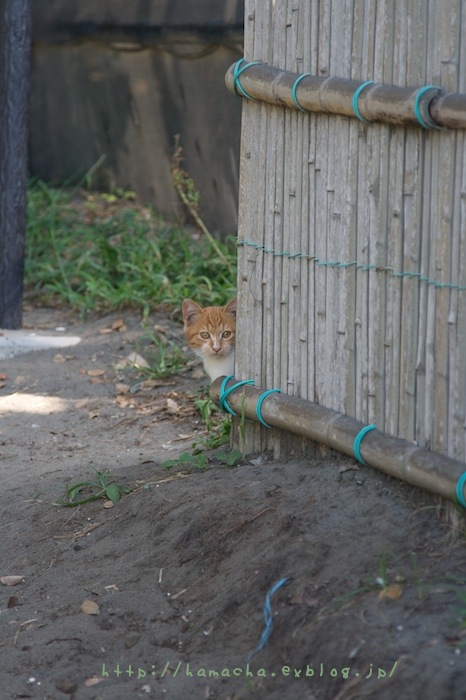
219, 366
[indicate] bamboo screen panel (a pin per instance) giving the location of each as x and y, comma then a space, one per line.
374, 323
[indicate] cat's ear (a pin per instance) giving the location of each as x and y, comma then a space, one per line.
230, 308
191, 311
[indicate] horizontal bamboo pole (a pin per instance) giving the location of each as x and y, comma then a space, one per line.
376, 102
394, 456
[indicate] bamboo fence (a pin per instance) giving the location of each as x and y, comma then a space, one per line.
352, 235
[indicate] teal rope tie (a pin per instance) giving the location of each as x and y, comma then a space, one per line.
238, 69
294, 97
357, 442
224, 393
460, 489
356, 98
417, 110
268, 618
259, 406
224, 405
354, 263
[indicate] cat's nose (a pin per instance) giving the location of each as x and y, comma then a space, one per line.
215, 348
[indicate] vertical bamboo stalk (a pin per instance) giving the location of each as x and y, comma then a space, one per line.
249, 221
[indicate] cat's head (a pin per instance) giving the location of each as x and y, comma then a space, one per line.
210, 331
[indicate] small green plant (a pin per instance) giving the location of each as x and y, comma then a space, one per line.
163, 356
86, 491
218, 428
231, 458
187, 459
382, 578
207, 409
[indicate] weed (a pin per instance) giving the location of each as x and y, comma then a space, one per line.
163, 356
95, 252
218, 427
207, 409
199, 461
216, 423
218, 436
103, 487
231, 458
188, 194
382, 578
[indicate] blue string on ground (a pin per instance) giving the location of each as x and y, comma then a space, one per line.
461, 483
357, 442
259, 406
223, 403
268, 620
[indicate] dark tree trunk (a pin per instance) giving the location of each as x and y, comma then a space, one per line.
15, 43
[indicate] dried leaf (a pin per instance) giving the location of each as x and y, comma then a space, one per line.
392, 592
108, 504
94, 680
132, 360
95, 372
118, 325
89, 607
349, 467
59, 357
13, 601
172, 406
122, 388
81, 403
124, 401
11, 580
137, 360
3, 376
105, 331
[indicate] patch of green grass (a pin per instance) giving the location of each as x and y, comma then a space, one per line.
164, 357
91, 253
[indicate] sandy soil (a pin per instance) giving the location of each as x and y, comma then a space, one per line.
173, 578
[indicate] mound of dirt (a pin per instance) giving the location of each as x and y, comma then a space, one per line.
167, 592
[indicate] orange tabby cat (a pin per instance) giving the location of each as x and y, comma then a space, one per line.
210, 332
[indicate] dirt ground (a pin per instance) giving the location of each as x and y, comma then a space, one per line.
162, 594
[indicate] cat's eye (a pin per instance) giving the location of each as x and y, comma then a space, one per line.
226, 334
205, 335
